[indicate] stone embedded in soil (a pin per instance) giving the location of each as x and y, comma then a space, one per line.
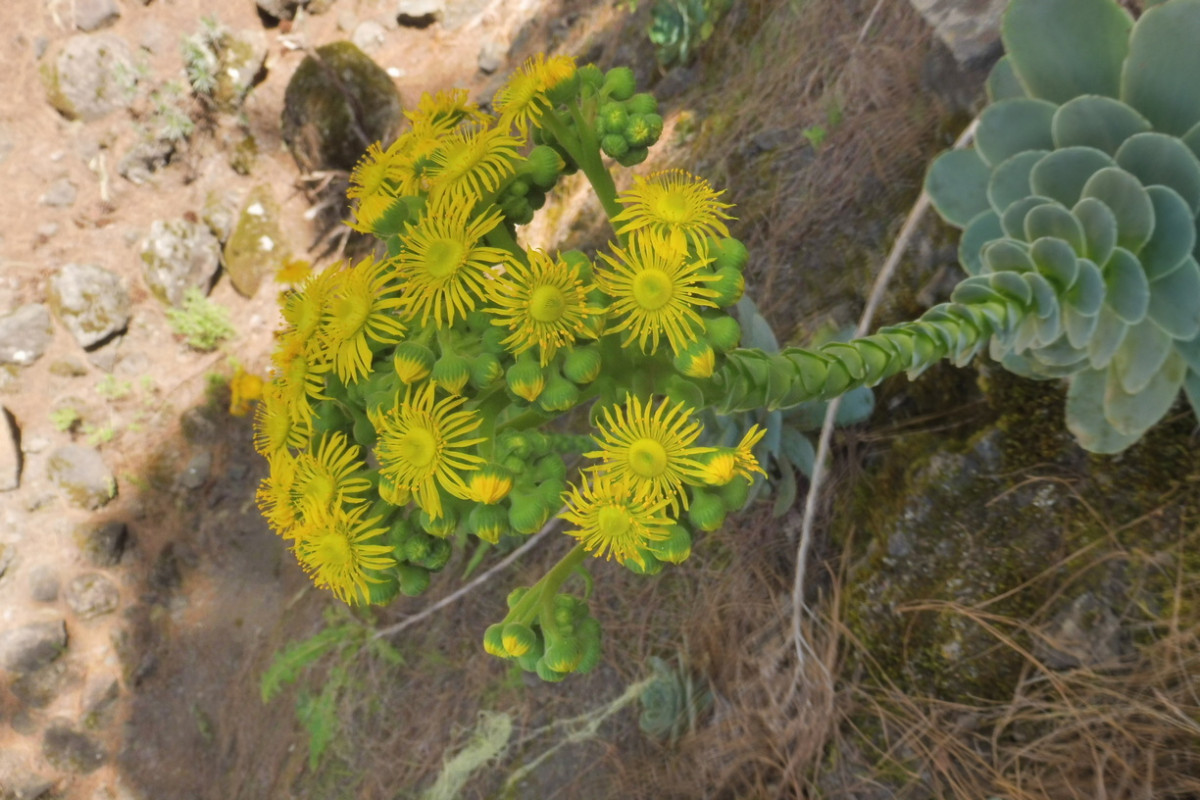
10, 451
41, 687
91, 15
99, 697
279, 9
91, 302
220, 212
25, 334
369, 36
92, 76
240, 59
970, 30
491, 56
43, 584
30, 647
419, 13
144, 158
179, 255
26, 786
60, 194
1086, 633
92, 595
197, 470
337, 104
103, 544
256, 249
71, 751
82, 476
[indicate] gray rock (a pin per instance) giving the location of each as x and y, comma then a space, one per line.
319, 6
81, 476
71, 751
10, 451
145, 158
1086, 633
90, 301
240, 59
179, 255
220, 212
197, 470
43, 584
103, 544
91, 15
491, 56
104, 356
40, 688
92, 595
369, 36
33, 646
346, 21
61, 194
93, 75
25, 334
279, 9
970, 29
8, 554
99, 696
27, 787
419, 13
256, 248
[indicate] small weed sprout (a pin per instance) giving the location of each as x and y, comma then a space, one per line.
170, 120
202, 323
64, 419
113, 389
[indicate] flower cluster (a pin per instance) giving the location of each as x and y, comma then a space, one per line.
413, 390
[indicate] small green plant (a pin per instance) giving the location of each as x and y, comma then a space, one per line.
202, 323
64, 419
112, 388
201, 56
97, 435
672, 701
170, 120
679, 27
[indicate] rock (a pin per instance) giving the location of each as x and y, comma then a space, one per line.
103, 544
31, 647
220, 212
71, 751
179, 255
8, 554
1087, 633
166, 576
197, 470
971, 30
26, 787
279, 9
337, 104
144, 159
92, 15
10, 451
61, 193
240, 59
369, 36
346, 21
104, 356
419, 13
99, 696
82, 476
25, 334
43, 584
491, 56
92, 595
256, 248
91, 302
319, 6
39, 689
93, 75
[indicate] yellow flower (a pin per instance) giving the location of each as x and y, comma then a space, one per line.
489, 485
446, 108
370, 174
361, 312
650, 449
678, 205
331, 476
745, 462
612, 520
274, 428
543, 305
471, 162
720, 469
444, 269
523, 99
276, 499
332, 548
655, 288
423, 445
294, 270
301, 376
304, 309
245, 390
409, 156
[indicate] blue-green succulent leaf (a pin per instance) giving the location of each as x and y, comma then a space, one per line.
1002, 83
797, 449
1099, 228
1006, 255
1132, 413
1045, 299
1108, 336
1013, 218
1015, 363
1158, 159
1127, 199
1190, 350
1086, 295
1192, 139
1159, 75
1095, 121
1049, 327
1079, 327
1085, 414
1063, 173
1012, 286
1055, 259
982, 229
1057, 224
976, 289
1127, 290
1175, 301
1174, 234
856, 406
1061, 49
1013, 126
1141, 354
957, 183
1010, 180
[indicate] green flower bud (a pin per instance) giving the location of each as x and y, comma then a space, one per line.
559, 395
492, 340
489, 523
582, 364
389, 492
728, 253
707, 511
518, 639
697, 361
546, 673
549, 467
413, 362
489, 484
399, 532
527, 514
642, 103
478, 320
520, 186
544, 166
614, 145
563, 655
515, 596
735, 493
633, 157
451, 372
649, 566
530, 660
722, 332
517, 210
536, 199
591, 653
551, 491
526, 379
643, 130
565, 90
676, 548
493, 640
590, 75
382, 586
729, 286
485, 369
611, 119
576, 259
619, 83
441, 527
413, 580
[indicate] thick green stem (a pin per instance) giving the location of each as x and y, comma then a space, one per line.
547, 587
585, 149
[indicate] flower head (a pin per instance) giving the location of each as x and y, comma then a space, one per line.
361, 312
370, 173
300, 375
523, 99
276, 499
332, 548
656, 286
245, 390
423, 445
444, 269
680, 206
652, 449
471, 162
612, 520
330, 476
745, 464
275, 429
543, 305
446, 109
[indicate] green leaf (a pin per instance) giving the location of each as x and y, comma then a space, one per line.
1055, 259
1140, 355
982, 229
1045, 299
1192, 139
876, 357
856, 406
1095, 121
957, 183
1127, 199
975, 290
1013, 126
1002, 83
1110, 332
1007, 255
1159, 76
1190, 350
1127, 290
1157, 159
811, 368
1010, 180
797, 449
1010, 285
1061, 49
1175, 301
1085, 414
1057, 223
293, 659
1174, 234
1099, 228
1062, 174
1060, 353
1013, 218
849, 357
1086, 295
785, 488
1132, 413
1079, 327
